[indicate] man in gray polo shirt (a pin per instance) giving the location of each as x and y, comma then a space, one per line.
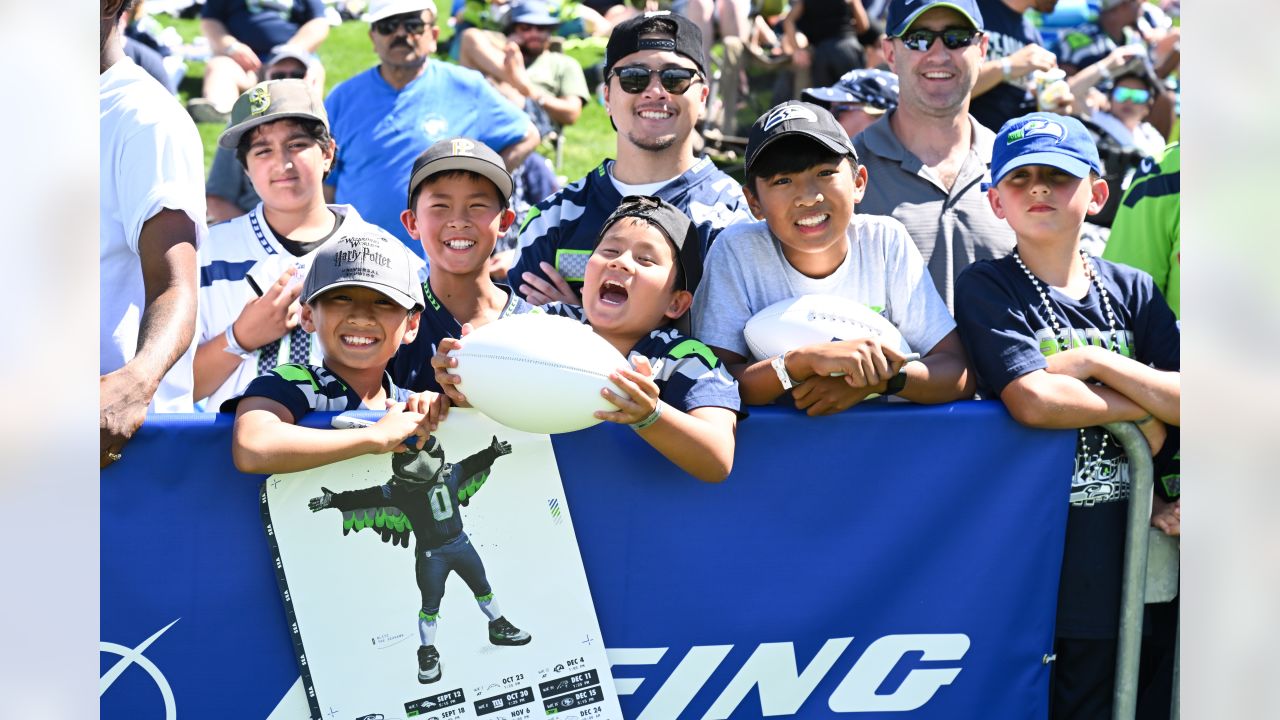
926, 161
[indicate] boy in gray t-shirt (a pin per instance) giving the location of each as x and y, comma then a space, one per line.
803, 180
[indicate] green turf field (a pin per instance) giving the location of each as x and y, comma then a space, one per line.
348, 51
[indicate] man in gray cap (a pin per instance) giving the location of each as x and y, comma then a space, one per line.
929, 157
549, 86
387, 115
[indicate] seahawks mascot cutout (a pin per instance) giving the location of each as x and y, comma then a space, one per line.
422, 498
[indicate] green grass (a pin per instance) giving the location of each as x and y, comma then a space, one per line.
348, 51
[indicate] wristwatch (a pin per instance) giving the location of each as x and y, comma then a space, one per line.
897, 382
780, 366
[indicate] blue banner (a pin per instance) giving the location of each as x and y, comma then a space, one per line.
892, 560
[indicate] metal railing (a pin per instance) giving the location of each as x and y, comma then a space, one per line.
1133, 592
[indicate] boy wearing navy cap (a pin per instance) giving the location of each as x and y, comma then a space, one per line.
459, 204
1071, 341
803, 179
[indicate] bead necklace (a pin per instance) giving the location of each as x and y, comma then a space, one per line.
1064, 342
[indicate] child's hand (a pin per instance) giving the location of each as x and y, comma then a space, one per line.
1166, 516
442, 364
827, 395
269, 317
540, 292
639, 395
397, 426
864, 362
433, 406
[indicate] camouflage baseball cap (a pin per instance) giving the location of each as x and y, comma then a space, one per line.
270, 101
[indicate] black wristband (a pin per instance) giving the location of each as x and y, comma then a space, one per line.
896, 383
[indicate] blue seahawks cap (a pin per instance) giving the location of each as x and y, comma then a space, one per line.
876, 89
904, 12
532, 12
1058, 141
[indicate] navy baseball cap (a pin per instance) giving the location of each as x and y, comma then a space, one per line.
877, 89
904, 12
795, 117
686, 39
1058, 141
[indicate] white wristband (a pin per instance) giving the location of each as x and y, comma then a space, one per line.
233, 347
779, 365
1006, 68
650, 419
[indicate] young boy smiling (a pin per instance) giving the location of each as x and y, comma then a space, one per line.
1070, 341
459, 205
676, 395
802, 182
361, 299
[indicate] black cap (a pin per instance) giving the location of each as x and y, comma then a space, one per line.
670, 221
460, 153
798, 118
625, 39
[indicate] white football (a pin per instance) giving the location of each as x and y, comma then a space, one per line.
791, 323
537, 373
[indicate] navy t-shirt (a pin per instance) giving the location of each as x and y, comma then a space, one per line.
411, 366
263, 24
1007, 33
1003, 325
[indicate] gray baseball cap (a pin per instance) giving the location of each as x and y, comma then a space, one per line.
270, 101
460, 153
372, 260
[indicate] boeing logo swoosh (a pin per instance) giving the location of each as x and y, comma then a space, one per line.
132, 656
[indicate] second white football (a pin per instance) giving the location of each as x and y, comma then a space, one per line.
808, 319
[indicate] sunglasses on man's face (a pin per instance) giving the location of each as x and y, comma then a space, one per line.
633, 79
1133, 95
952, 38
287, 75
412, 24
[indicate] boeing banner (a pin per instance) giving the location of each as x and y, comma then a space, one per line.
893, 561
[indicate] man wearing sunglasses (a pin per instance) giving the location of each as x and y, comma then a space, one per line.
243, 33
386, 116
655, 92
928, 158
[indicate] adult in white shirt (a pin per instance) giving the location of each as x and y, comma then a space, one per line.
151, 212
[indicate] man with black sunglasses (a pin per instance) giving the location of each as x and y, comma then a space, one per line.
386, 116
242, 34
929, 157
655, 92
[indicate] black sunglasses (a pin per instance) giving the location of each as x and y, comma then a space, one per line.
633, 79
287, 75
952, 38
412, 24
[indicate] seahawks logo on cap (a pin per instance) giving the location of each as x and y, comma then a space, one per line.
461, 146
1035, 128
259, 101
789, 112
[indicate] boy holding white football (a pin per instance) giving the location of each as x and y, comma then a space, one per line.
1066, 340
802, 181
459, 205
361, 299
677, 395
